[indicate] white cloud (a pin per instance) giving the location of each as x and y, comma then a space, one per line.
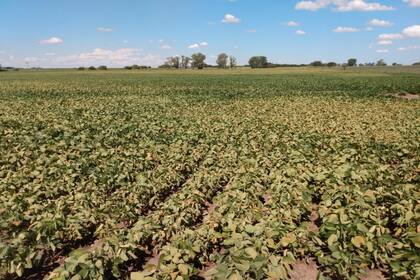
49, 54
361, 5
413, 3
385, 42
394, 36
382, 51
341, 29
231, 19
194, 46
52, 41
409, 48
412, 31
252, 31
165, 47
311, 5
342, 5
292, 23
380, 23
31, 59
104, 29
198, 45
118, 57
369, 28
300, 32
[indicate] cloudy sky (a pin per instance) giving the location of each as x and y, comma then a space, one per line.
61, 33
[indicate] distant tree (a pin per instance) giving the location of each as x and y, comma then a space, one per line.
102, 67
168, 62
135, 67
222, 60
92, 68
352, 62
176, 61
232, 62
185, 62
198, 60
316, 63
381, 62
416, 63
331, 64
173, 62
128, 67
81, 68
258, 62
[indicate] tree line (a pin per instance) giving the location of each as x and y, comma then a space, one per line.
197, 61
224, 61
352, 62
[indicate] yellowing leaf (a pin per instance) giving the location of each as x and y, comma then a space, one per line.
358, 241
251, 252
332, 239
288, 239
183, 268
136, 276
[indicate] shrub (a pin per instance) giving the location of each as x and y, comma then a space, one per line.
258, 62
316, 63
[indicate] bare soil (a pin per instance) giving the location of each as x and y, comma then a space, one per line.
304, 270
407, 96
373, 274
313, 218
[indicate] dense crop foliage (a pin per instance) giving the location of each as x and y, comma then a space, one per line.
177, 175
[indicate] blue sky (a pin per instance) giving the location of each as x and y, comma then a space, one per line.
59, 33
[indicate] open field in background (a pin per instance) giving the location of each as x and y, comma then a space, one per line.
213, 174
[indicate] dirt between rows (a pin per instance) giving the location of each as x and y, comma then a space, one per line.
407, 96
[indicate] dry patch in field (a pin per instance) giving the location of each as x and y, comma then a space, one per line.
313, 218
304, 270
372, 274
407, 96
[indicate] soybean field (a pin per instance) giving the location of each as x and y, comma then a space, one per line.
215, 174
